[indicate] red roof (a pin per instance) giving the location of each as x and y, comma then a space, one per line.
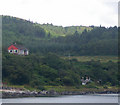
12, 47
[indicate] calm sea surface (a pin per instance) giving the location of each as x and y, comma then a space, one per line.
105, 98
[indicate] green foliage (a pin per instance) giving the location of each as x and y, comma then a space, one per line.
73, 40
37, 71
64, 31
68, 81
91, 85
44, 67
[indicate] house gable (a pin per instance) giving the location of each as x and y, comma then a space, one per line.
12, 47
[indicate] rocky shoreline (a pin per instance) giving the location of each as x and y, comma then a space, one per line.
50, 93
10, 92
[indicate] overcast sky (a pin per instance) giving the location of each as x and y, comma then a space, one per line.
64, 12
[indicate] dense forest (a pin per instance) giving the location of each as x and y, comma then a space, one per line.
47, 43
38, 71
89, 41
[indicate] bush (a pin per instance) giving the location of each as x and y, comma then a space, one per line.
91, 85
105, 87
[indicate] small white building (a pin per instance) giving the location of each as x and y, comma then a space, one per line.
85, 81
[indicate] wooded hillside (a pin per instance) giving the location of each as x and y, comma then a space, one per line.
48, 45
76, 40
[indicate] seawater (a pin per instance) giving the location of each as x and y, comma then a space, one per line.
96, 98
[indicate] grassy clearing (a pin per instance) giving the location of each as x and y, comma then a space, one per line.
95, 58
15, 86
69, 88
81, 88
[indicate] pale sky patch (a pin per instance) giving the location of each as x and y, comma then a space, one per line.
64, 12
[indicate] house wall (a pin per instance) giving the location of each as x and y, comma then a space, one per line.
13, 51
21, 52
9, 51
27, 52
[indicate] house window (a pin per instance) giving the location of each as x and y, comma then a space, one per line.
15, 51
